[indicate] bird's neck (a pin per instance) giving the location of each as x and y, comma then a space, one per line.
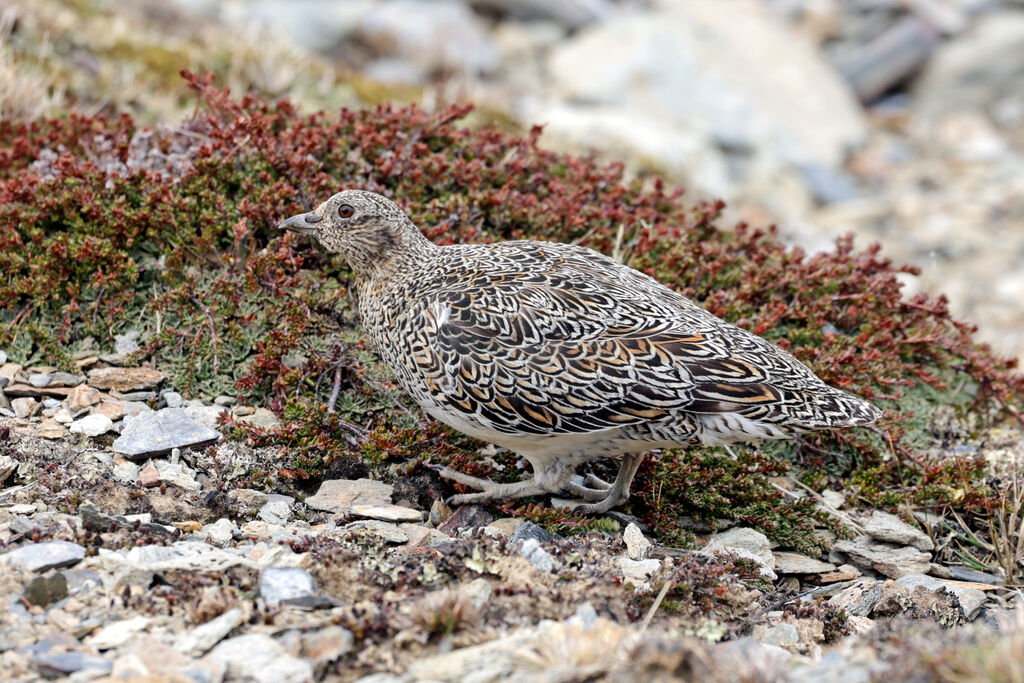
391, 254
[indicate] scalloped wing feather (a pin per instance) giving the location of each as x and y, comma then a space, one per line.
534, 338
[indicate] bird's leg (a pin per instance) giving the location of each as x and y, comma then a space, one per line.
595, 482
461, 478
618, 492
495, 493
585, 492
489, 491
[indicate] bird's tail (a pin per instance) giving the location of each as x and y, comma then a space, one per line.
836, 408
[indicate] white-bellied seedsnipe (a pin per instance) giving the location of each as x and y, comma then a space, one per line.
562, 354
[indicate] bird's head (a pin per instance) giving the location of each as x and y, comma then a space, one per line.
368, 229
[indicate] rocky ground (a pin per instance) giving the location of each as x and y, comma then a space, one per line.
135, 543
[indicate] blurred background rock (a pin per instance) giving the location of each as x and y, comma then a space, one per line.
899, 120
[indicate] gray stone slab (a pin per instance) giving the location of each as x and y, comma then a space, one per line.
158, 432
38, 557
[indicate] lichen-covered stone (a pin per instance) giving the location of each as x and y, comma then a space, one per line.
158, 432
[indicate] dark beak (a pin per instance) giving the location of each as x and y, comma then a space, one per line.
304, 223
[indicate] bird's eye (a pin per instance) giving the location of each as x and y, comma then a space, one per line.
346, 211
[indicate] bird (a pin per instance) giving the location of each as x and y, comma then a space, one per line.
561, 354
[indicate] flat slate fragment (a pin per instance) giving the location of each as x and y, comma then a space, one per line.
156, 433
38, 557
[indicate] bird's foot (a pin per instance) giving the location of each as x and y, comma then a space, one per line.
488, 491
602, 505
585, 492
600, 499
612, 494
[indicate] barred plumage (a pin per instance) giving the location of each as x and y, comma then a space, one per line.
561, 353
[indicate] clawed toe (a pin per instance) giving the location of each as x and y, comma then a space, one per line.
584, 492
600, 506
487, 491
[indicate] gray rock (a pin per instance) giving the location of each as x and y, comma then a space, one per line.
326, 645
637, 545
833, 499
890, 528
92, 425
200, 639
82, 580
527, 530
889, 560
859, 598
275, 512
171, 398
430, 35
247, 499
386, 513
835, 667
38, 557
745, 543
689, 70
176, 474
794, 563
569, 14
50, 403
158, 432
46, 590
225, 401
828, 185
125, 380
261, 417
125, 344
258, 658
116, 634
285, 584
391, 533
3, 357
184, 555
208, 416
781, 635
39, 380
134, 396
338, 495
977, 70
465, 518
95, 520
893, 56
903, 591
221, 531
25, 407
335, 22
956, 573
420, 534
22, 525
134, 409
478, 591
8, 466
638, 571
66, 379
537, 556
126, 472
52, 665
